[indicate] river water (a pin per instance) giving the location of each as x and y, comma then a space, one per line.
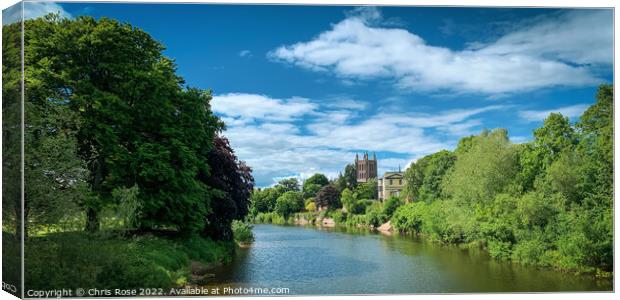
311, 261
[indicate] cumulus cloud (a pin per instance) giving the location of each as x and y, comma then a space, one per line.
559, 51
31, 10
248, 107
539, 115
296, 136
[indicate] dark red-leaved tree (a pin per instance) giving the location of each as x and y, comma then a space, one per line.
232, 182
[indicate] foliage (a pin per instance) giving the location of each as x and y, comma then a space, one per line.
128, 120
270, 218
289, 184
311, 206
74, 260
242, 232
390, 206
368, 190
11, 135
423, 178
483, 171
129, 206
545, 203
348, 179
318, 178
233, 183
311, 189
348, 200
328, 196
265, 200
290, 202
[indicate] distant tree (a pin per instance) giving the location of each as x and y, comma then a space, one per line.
289, 203
317, 178
438, 166
289, 184
348, 179
329, 197
414, 178
265, 200
368, 190
233, 183
310, 189
348, 200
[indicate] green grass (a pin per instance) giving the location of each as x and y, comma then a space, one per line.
73, 260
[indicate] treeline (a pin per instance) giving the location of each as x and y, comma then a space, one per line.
343, 199
548, 202
114, 138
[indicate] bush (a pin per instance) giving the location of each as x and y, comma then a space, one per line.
269, 218
310, 206
242, 232
390, 206
409, 217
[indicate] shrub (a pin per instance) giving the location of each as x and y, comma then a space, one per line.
390, 206
408, 218
242, 232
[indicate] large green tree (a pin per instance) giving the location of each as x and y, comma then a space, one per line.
424, 177
139, 126
483, 171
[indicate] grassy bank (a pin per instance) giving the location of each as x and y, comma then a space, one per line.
108, 260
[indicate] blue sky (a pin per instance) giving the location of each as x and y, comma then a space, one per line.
303, 88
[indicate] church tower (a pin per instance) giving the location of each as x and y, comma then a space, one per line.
366, 167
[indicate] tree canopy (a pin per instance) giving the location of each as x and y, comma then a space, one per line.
106, 113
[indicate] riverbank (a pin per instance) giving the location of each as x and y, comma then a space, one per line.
111, 260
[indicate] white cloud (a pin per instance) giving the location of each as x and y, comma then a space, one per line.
297, 136
567, 111
31, 10
248, 107
245, 53
580, 37
535, 57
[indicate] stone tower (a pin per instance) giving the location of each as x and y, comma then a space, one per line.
366, 168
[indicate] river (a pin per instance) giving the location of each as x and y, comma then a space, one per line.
311, 261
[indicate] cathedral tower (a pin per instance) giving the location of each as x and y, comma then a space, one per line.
366, 167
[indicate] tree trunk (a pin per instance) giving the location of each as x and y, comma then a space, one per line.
92, 214
92, 220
